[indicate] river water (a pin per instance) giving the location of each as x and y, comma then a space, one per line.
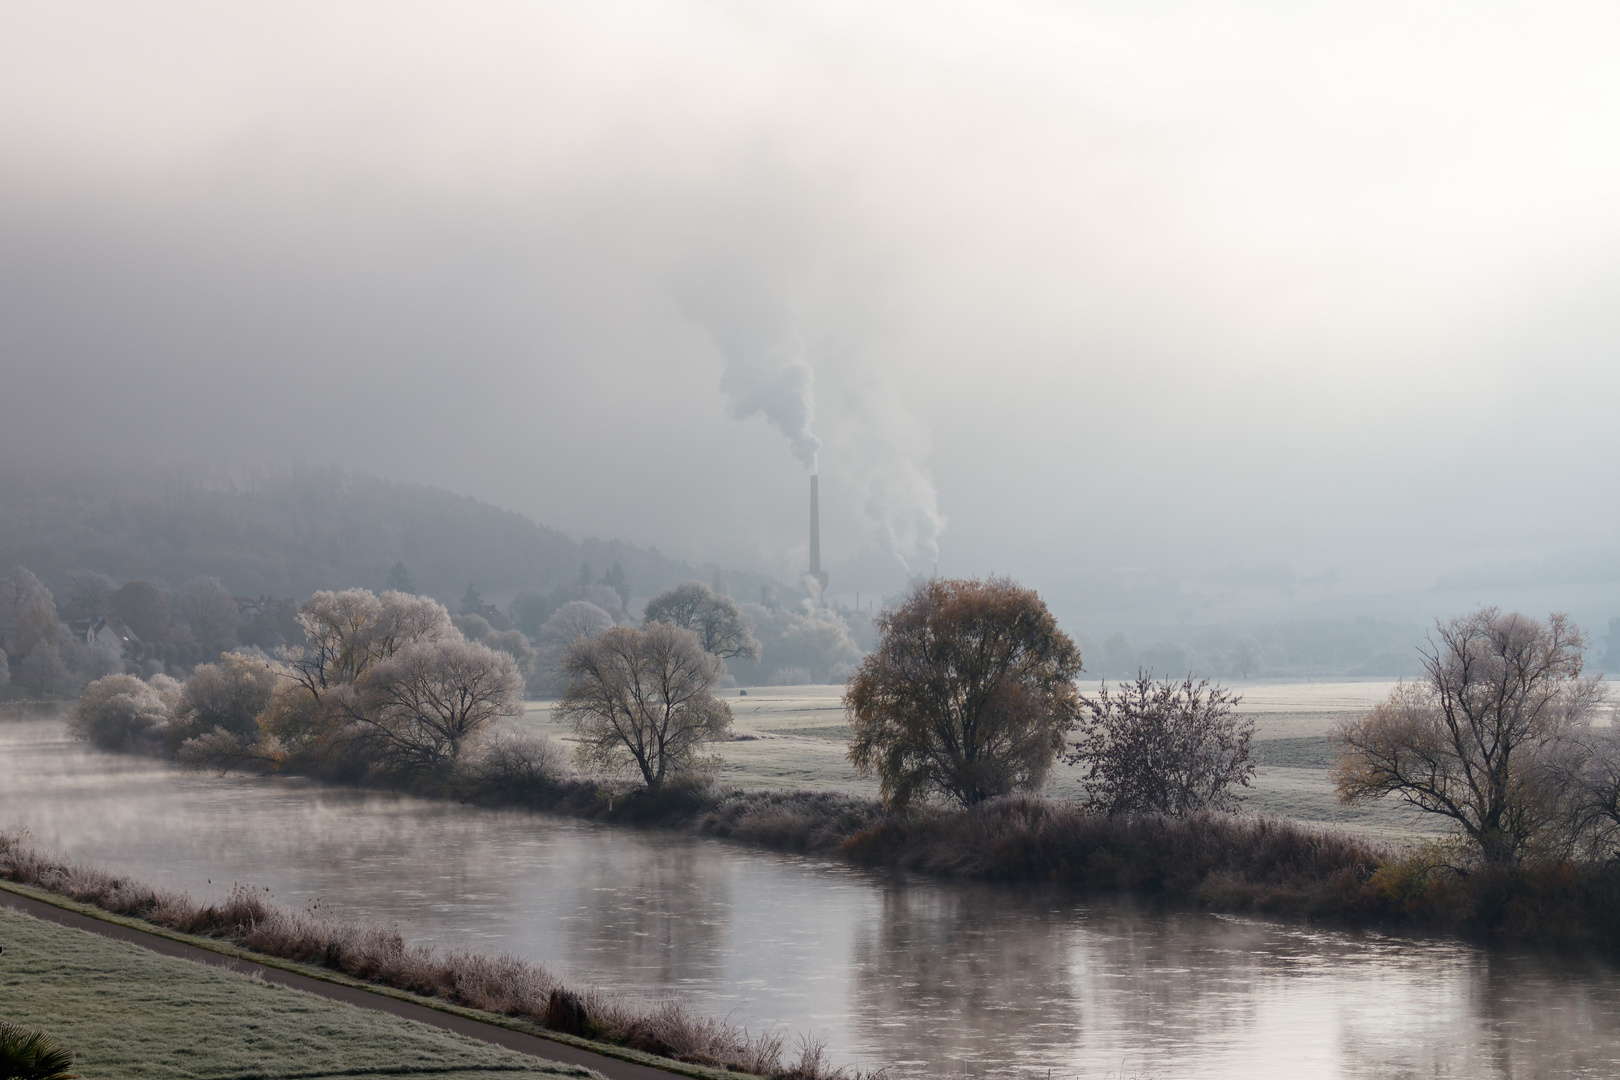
928, 978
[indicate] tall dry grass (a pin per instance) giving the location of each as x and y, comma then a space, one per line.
503, 984
1231, 862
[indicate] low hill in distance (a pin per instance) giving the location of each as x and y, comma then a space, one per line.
290, 532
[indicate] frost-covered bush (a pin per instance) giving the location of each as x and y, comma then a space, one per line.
120, 712
1163, 747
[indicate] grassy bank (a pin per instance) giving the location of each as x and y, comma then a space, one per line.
130, 1014
500, 985
1236, 863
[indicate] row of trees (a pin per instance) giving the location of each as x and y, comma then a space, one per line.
381, 684
57, 645
970, 695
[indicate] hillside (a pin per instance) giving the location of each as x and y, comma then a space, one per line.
291, 532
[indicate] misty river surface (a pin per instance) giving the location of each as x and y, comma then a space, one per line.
928, 978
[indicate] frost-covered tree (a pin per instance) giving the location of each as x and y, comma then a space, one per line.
1163, 747
425, 704
346, 635
574, 620
28, 615
1483, 739
226, 696
571, 622
725, 630
643, 699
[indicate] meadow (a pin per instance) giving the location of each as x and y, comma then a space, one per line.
130, 1014
793, 738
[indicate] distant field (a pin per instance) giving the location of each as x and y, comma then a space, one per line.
795, 737
130, 1014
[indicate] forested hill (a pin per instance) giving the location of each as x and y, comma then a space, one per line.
295, 531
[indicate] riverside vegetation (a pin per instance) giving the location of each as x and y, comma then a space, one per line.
961, 711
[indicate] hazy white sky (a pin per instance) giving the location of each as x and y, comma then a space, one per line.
1077, 289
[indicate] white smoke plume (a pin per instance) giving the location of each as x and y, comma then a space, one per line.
767, 316
902, 505
779, 388
766, 373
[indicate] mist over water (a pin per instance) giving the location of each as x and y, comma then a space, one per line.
925, 977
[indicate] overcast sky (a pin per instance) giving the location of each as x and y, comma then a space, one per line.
1302, 306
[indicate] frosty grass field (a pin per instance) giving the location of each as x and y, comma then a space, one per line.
795, 737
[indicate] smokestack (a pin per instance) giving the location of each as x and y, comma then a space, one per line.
816, 572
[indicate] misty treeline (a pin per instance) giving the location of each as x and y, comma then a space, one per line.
158, 558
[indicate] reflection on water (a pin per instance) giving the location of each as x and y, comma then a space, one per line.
932, 979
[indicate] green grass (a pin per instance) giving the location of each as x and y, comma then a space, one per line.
130, 1013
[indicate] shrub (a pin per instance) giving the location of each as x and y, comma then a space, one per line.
1163, 748
120, 712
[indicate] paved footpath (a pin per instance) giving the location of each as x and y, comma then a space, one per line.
613, 1068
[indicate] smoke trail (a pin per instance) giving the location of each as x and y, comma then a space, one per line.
902, 509
781, 390
747, 313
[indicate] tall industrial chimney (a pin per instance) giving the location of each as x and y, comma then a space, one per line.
816, 572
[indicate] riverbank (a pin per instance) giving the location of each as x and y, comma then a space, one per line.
498, 987
126, 1011
1240, 863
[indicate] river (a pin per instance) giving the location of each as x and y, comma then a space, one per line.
928, 978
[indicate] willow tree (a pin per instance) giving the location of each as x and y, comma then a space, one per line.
969, 693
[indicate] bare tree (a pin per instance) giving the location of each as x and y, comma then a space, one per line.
1246, 656
1163, 747
44, 671
208, 608
643, 698
1483, 739
89, 593
721, 625
426, 702
969, 693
